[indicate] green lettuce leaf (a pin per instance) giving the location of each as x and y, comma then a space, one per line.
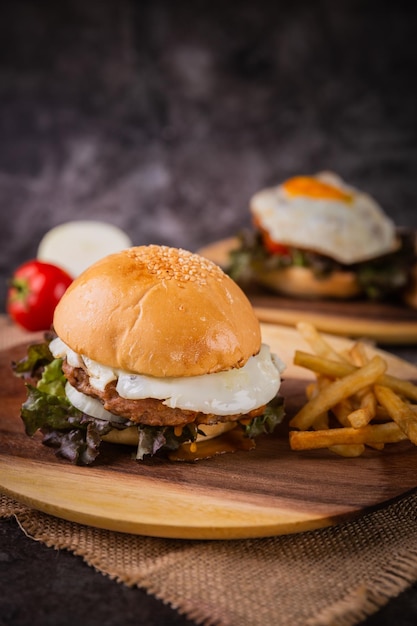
53, 380
31, 365
75, 435
44, 410
266, 423
154, 438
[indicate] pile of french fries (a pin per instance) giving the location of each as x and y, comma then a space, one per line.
352, 403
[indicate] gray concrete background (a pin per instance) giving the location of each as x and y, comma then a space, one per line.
164, 117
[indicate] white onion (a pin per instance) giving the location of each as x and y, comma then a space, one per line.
90, 406
76, 245
60, 350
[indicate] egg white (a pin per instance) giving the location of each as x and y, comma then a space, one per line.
348, 232
236, 391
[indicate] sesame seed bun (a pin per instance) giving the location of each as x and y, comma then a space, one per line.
300, 282
158, 311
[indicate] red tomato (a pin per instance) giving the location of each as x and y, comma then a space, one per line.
274, 247
34, 291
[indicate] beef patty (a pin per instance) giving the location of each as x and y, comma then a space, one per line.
149, 411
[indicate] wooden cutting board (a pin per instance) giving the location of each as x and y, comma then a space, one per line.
386, 323
268, 491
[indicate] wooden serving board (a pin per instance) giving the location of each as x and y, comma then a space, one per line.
268, 491
386, 323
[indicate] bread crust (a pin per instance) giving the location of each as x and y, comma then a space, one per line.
158, 311
300, 282
410, 295
129, 436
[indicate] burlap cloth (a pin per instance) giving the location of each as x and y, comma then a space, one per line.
333, 576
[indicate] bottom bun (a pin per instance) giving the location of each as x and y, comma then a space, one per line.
217, 439
410, 295
129, 436
302, 283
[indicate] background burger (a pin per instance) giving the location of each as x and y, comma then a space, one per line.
155, 347
317, 237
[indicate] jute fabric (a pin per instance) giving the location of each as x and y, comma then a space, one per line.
333, 576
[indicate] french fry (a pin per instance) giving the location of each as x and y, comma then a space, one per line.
348, 450
372, 407
366, 411
317, 343
368, 400
335, 369
402, 387
342, 410
399, 411
376, 446
376, 433
311, 390
322, 420
381, 414
357, 354
359, 418
338, 390
321, 365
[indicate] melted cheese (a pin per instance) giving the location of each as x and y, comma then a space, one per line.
235, 391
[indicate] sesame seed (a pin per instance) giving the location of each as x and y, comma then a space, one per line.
175, 264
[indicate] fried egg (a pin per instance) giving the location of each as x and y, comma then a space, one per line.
323, 214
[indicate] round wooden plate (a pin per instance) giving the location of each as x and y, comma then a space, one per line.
270, 490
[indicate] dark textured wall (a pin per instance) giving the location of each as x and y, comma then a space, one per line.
164, 117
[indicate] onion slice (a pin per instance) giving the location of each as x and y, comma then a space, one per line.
90, 406
76, 245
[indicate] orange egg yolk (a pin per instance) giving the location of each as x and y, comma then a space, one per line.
313, 188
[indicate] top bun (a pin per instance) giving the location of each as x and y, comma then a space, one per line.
158, 311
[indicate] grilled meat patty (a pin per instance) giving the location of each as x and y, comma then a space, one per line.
149, 411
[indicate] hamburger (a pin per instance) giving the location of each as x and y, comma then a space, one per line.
317, 237
154, 347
